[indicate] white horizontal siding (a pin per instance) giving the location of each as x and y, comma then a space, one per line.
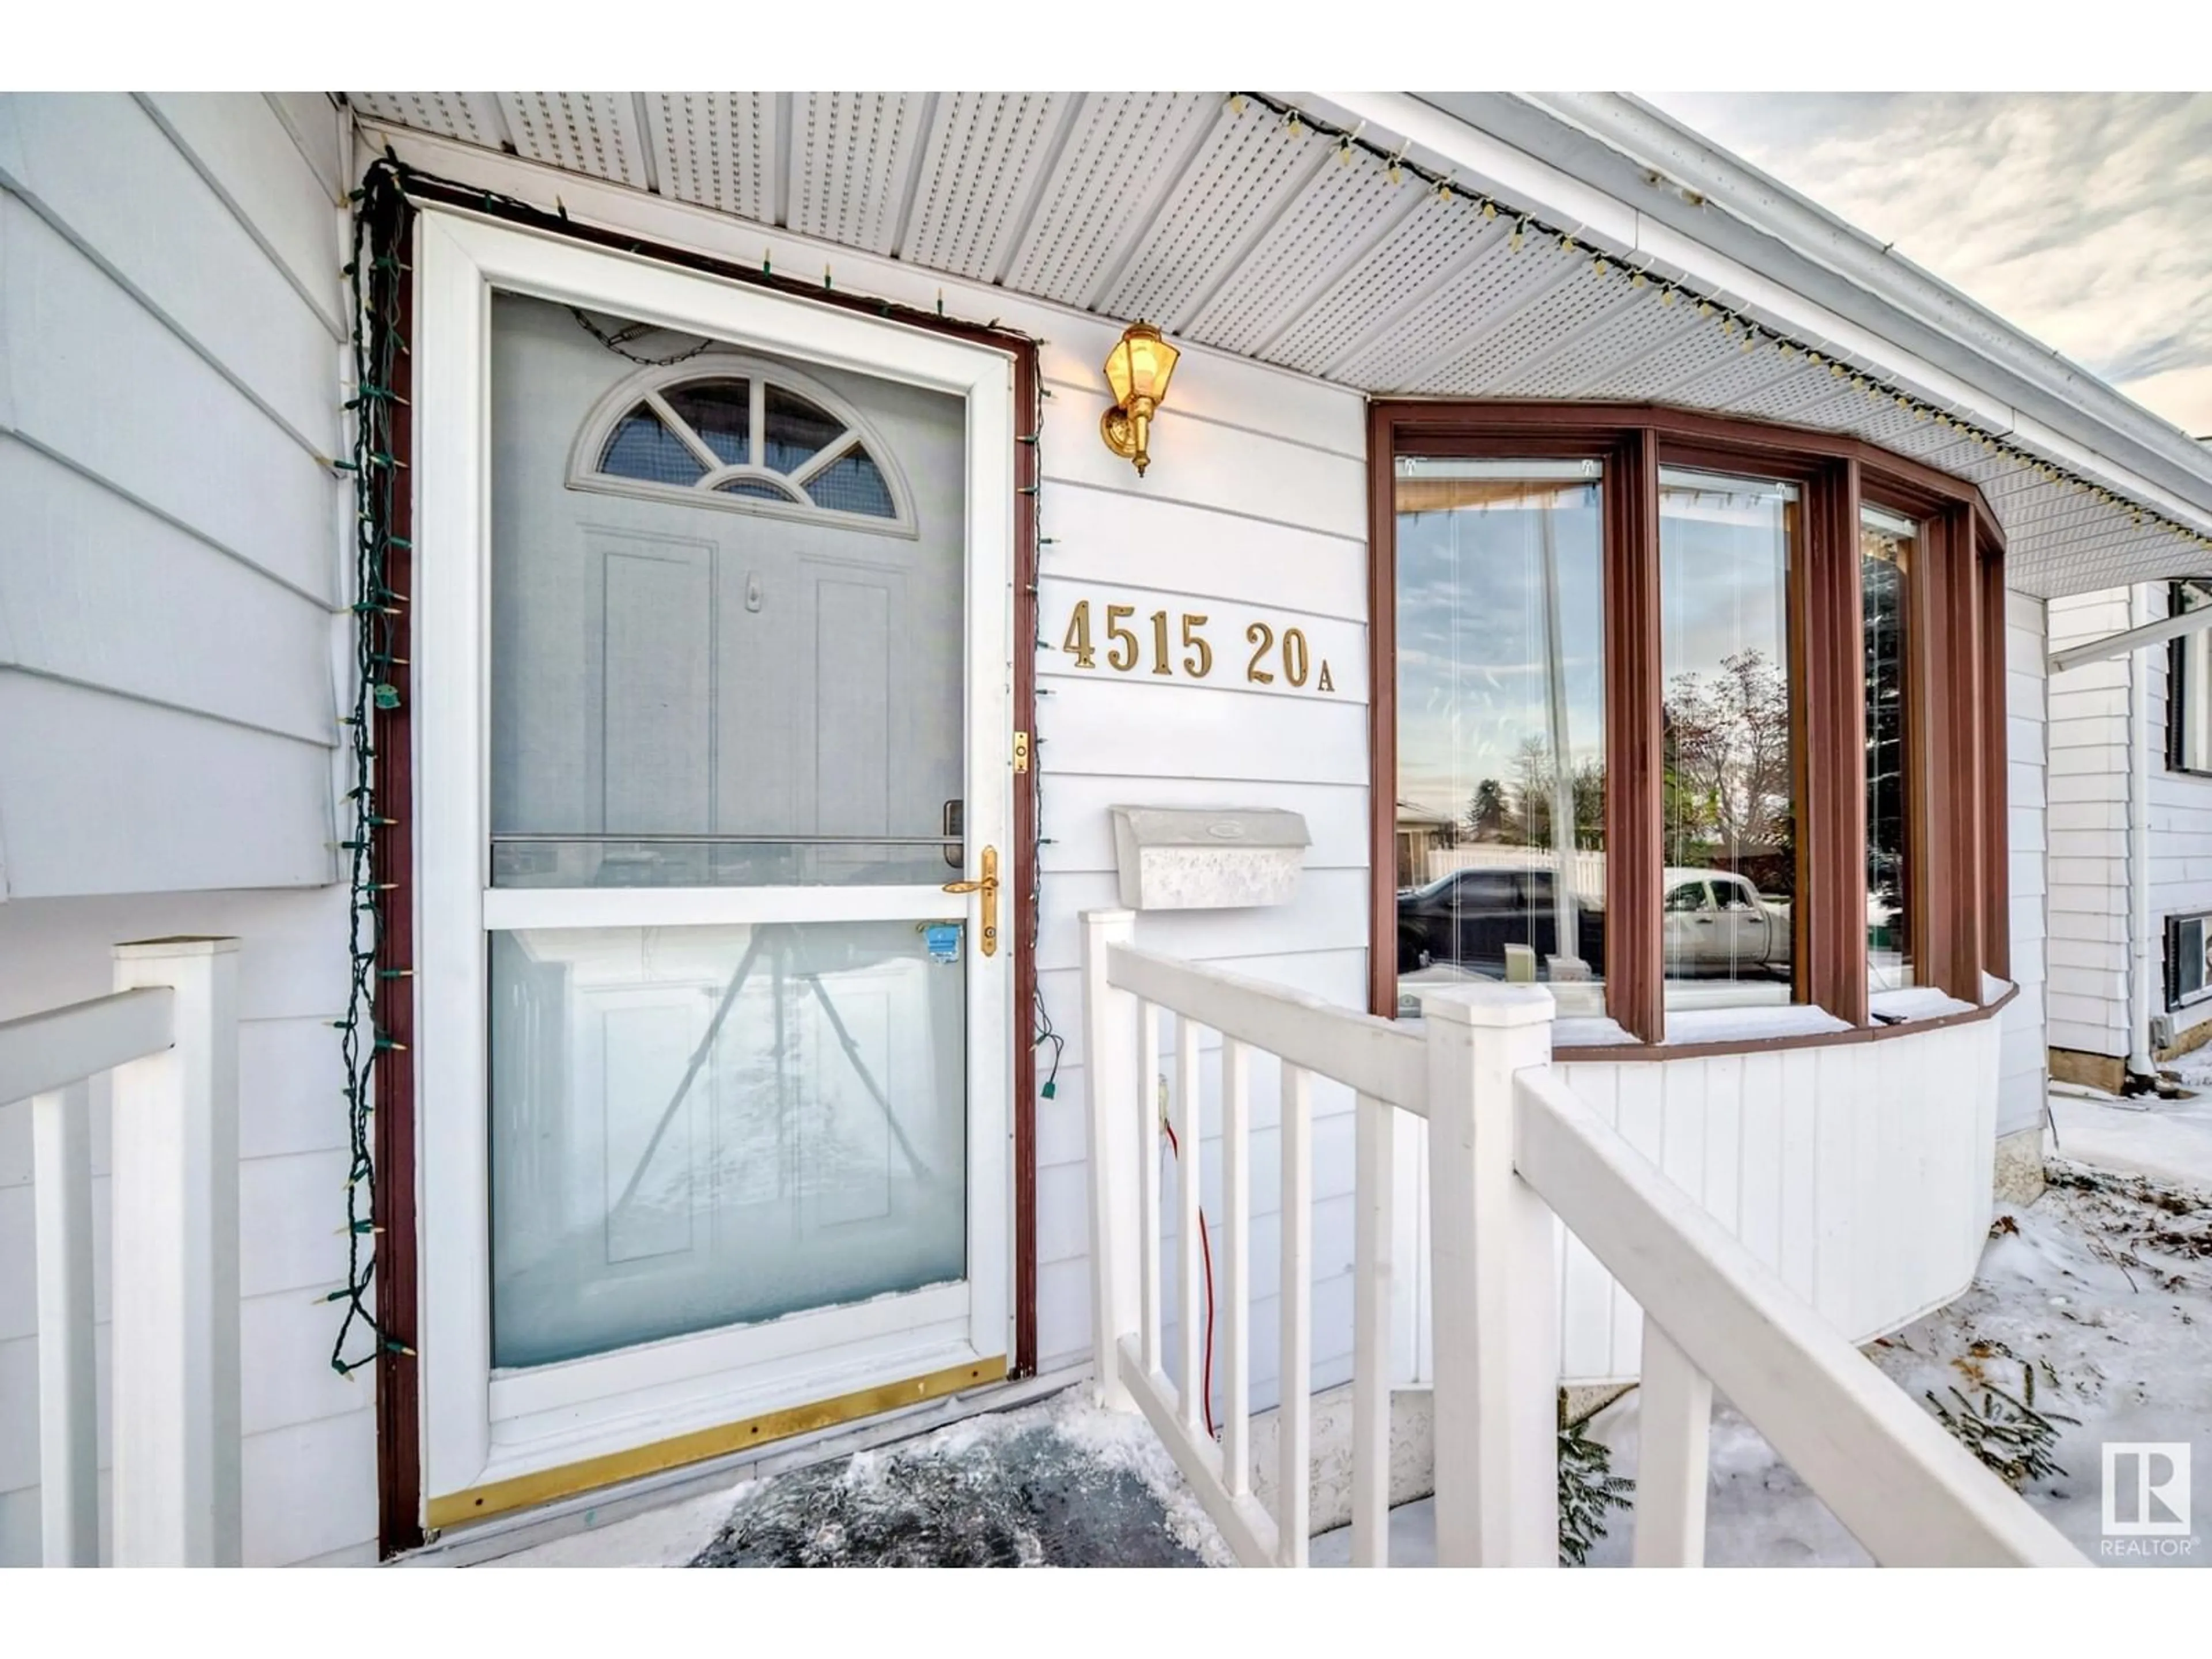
172, 535
101, 169
99, 591
104, 794
2087, 838
173, 546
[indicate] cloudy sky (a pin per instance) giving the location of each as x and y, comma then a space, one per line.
2085, 218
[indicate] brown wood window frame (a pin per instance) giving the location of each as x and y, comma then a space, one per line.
1954, 688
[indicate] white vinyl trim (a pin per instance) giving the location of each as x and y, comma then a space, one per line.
469, 1435
511, 908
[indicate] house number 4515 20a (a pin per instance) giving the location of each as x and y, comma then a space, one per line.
1185, 647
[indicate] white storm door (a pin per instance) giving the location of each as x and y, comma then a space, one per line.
712, 684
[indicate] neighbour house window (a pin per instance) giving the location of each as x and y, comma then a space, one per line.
1674, 716
2188, 684
2188, 960
1886, 544
1728, 734
1501, 751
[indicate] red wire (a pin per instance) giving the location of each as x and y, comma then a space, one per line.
1205, 1255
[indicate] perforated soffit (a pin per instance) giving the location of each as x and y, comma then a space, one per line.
1218, 221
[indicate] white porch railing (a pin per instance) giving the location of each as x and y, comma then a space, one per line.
169, 1036
1512, 1154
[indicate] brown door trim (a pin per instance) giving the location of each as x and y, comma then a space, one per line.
399, 1459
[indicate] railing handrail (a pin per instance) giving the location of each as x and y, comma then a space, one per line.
54, 1047
1513, 1155
1887, 1469
1370, 1056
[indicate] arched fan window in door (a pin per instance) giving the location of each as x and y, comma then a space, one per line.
730, 432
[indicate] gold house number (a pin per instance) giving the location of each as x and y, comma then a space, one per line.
1288, 654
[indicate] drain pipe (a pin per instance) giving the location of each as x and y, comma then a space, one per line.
2141, 1068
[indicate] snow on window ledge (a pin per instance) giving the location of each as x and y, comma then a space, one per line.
1921, 1002
1590, 1033
1761, 1025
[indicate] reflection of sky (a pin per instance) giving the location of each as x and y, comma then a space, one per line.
1472, 642
1723, 565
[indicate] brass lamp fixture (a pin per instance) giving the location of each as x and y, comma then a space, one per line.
1139, 369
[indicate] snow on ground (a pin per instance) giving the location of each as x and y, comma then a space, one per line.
2168, 1139
2101, 1291
2103, 1287
1058, 1483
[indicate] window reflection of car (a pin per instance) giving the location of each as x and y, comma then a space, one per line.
1468, 918
1716, 921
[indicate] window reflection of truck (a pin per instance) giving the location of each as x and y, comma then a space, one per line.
1713, 921
1716, 921
1468, 918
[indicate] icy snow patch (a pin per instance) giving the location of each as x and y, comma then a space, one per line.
2103, 1287
2165, 1140
1058, 1483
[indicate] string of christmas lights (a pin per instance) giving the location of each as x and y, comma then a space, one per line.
375, 277
1749, 334
380, 209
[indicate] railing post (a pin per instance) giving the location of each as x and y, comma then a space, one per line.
69, 1424
175, 1372
1373, 1270
1675, 1416
1491, 1240
1121, 1103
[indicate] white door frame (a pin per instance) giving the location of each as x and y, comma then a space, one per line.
588, 1411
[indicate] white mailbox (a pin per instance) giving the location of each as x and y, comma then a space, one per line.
1195, 858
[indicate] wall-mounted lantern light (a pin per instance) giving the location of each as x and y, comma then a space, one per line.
1139, 369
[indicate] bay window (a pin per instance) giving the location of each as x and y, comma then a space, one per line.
1675, 713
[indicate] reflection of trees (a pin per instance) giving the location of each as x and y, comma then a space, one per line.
1881, 587
1728, 774
1485, 813
1527, 821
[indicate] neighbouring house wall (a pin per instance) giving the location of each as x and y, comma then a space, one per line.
172, 558
2180, 832
2088, 832
2025, 1055
172, 319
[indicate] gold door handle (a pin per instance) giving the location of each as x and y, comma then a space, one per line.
988, 887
